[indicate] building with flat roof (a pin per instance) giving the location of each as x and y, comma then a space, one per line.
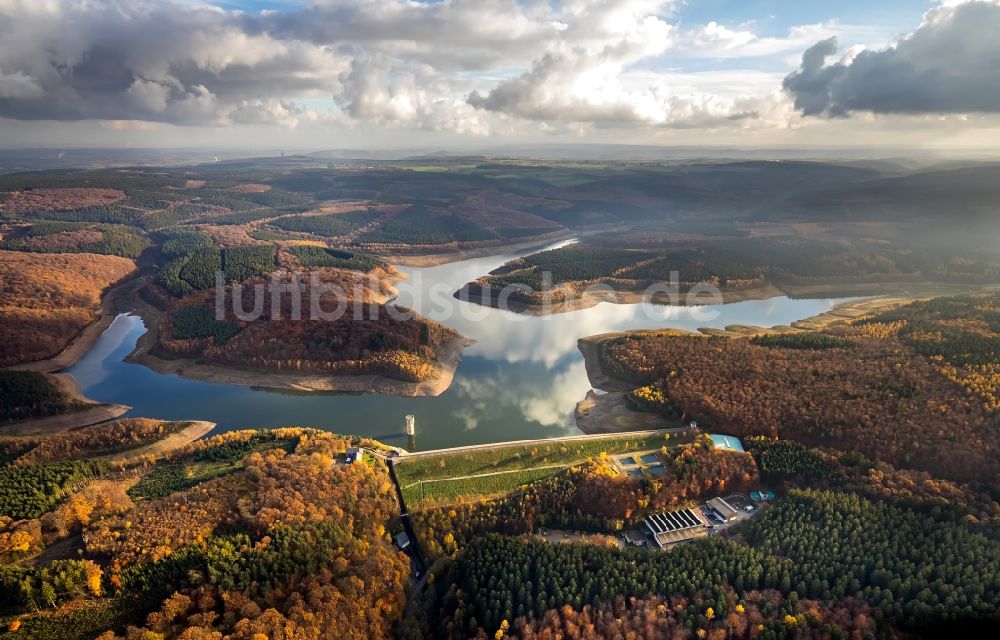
725, 511
354, 454
729, 443
672, 527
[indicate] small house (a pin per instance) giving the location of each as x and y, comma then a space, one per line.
354, 454
402, 540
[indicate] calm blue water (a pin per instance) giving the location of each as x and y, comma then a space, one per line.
522, 378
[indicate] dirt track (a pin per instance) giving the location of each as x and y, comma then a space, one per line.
196, 429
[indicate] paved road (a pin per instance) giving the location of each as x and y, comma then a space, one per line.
515, 443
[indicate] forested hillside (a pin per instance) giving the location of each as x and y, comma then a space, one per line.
871, 445
915, 387
271, 531
46, 299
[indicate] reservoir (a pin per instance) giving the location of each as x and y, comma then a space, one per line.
520, 380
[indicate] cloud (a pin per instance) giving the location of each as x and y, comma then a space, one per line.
949, 64
19, 86
383, 90
463, 67
597, 88
714, 40
451, 34
146, 60
149, 95
591, 78
270, 111
470, 67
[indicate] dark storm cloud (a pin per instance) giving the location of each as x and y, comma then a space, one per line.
950, 64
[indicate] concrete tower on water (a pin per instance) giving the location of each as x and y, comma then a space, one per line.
411, 431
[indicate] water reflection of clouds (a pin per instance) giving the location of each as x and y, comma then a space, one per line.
514, 338
546, 399
521, 379
503, 335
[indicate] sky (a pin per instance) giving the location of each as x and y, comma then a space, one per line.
464, 74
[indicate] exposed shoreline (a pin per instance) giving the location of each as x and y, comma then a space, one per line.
63, 422
448, 358
600, 413
579, 297
123, 298
84, 341
95, 412
449, 355
196, 429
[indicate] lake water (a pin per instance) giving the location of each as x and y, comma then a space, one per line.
522, 378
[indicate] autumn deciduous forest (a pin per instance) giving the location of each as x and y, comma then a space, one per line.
260, 540
865, 504
912, 387
382, 342
46, 299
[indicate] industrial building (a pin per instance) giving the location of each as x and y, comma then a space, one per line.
722, 509
674, 526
